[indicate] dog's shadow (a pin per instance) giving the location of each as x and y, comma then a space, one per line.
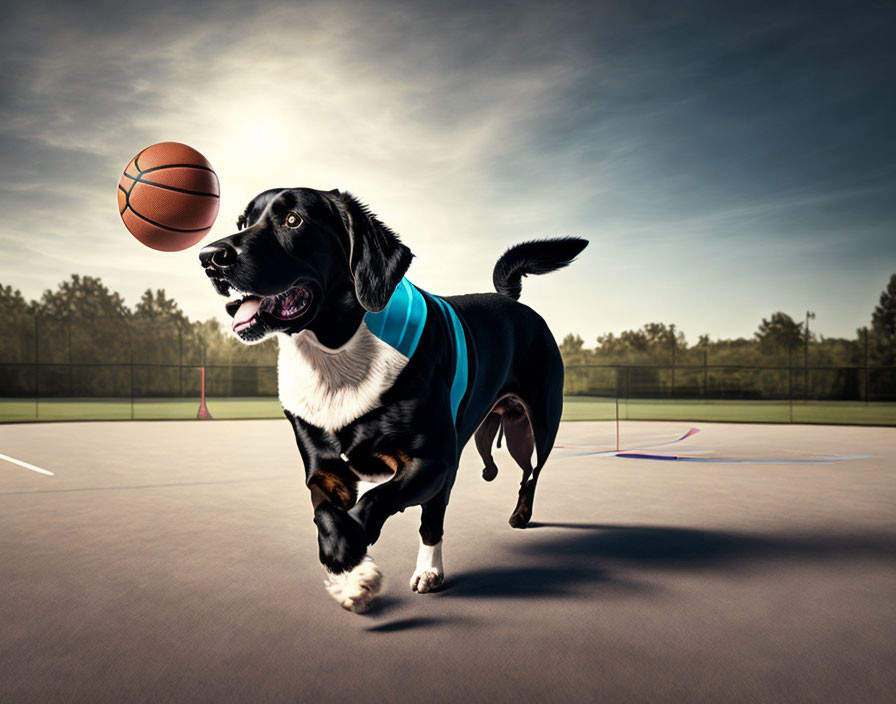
562, 557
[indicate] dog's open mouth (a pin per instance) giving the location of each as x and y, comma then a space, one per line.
286, 306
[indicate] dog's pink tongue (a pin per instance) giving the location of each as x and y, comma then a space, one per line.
245, 312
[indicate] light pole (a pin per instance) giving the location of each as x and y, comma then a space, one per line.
809, 315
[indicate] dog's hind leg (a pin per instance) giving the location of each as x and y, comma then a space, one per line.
485, 436
529, 429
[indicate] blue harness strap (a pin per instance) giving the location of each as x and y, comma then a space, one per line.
400, 325
459, 383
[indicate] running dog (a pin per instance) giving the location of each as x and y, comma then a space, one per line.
385, 383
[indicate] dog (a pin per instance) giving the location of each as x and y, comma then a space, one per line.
384, 383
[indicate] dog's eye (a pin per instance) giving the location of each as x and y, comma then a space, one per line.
293, 220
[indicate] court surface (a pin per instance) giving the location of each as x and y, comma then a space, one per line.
177, 561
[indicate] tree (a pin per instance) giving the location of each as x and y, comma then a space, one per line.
82, 297
655, 340
16, 326
779, 332
883, 326
156, 306
160, 330
572, 344
883, 319
11, 299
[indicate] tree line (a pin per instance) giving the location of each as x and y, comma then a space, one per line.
83, 322
89, 342
778, 341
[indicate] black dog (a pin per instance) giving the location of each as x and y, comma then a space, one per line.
383, 382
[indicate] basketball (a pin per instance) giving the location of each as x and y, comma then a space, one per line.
168, 196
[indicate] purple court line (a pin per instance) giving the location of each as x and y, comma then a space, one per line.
612, 453
726, 460
638, 454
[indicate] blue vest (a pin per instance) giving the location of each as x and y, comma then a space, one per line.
400, 325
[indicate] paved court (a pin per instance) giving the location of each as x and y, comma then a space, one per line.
177, 561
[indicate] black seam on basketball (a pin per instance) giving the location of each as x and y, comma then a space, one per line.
178, 166
164, 227
122, 189
172, 188
128, 192
137, 159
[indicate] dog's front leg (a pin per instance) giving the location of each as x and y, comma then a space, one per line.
427, 483
340, 538
353, 578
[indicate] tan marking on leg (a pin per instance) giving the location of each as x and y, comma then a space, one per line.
330, 487
395, 461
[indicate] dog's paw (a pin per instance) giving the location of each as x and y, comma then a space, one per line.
356, 590
489, 472
521, 517
340, 538
426, 580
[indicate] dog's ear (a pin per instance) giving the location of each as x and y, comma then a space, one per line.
377, 258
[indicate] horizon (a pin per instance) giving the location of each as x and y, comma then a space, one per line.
725, 163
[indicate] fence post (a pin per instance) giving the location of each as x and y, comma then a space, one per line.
180, 359
673, 362
127, 325
36, 367
71, 384
866, 366
790, 379
809, 315
617, 408
705, 375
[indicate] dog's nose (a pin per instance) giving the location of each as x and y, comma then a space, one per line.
219, 255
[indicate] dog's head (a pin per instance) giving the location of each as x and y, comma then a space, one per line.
302, 254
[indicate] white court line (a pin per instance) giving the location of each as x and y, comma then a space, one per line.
25, 465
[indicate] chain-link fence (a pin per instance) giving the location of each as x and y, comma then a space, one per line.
93, 391
115, 368
734, 382
732, 393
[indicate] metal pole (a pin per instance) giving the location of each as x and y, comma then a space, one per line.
617, 409
180, 358
809, 314
131, 355
70, 381
36, 368
203, 413
866, 366
705, 374
673, 361
790, 379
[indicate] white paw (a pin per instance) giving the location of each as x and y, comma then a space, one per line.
427, 580
357, 589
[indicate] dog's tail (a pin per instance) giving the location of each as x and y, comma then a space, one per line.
535, 257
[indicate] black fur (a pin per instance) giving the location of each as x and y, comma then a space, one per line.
535, 257
351, 263
378, 259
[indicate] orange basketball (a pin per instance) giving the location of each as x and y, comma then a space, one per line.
168, 196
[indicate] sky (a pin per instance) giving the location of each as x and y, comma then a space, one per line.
725, 160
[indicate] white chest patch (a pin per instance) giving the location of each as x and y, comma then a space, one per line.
330, 388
